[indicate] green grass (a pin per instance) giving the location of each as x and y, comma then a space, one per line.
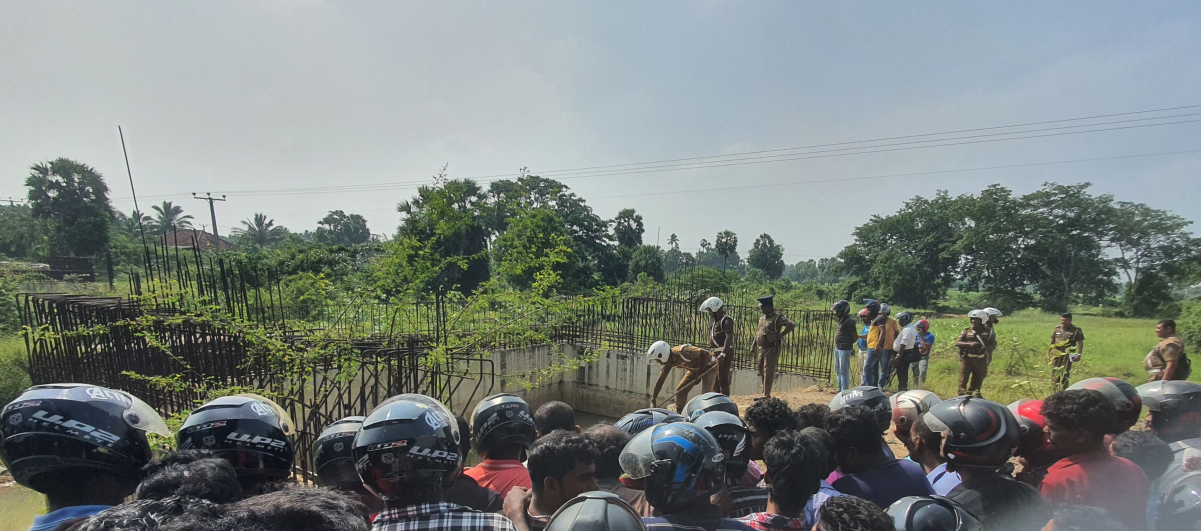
14, 367
18, 506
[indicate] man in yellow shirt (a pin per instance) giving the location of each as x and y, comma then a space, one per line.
695, 360
880, 338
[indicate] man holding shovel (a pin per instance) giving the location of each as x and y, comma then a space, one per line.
699, 363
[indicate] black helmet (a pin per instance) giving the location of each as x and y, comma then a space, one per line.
867, 396
977, 432
932, 513
1175, 407
408, 446
679, 461
595, 511
1121, 394
709, 402
904, 318
841, 307
872, 305
333, 459
70, 426
501, 419
642, 419
1180, 504
250, 431
733, 438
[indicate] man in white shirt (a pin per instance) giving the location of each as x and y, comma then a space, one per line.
906, 347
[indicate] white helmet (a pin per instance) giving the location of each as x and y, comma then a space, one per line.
993, 312
909, 405
978, 314
659, 351
712, 304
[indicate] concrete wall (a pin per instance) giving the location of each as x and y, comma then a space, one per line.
613, 385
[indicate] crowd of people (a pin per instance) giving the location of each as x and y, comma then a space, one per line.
1070, 462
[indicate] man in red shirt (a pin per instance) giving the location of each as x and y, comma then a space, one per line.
1077, 422
502, 431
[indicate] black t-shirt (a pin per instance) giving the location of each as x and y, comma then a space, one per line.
1002, 503
848, 333
466, 492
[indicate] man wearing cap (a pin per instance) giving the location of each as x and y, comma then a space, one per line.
973, 347
1067, 346
721, 341
773, 326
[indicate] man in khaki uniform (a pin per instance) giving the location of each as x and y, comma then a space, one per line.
974, 345
1064, 338
1167, 361
773, 326
695, 360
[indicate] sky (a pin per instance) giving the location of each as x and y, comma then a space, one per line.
249, 99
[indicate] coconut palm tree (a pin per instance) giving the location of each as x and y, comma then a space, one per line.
169, 217
136, 221
673, 241
260, 231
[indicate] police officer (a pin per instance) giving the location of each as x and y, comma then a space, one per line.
1067, 346
974, 343
773, 326
698, 362
721, 340
1167, 361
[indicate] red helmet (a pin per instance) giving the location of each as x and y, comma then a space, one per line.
864, 313
1031, 420
922, 324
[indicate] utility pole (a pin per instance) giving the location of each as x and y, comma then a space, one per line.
212, 211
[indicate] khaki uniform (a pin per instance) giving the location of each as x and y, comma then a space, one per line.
1170, 349
768, 340
973, 361
1071, 336
721, 329
692, 360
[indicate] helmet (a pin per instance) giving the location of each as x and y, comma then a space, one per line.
1031, 423
993, 312
864, 312
709, 402
909, 405
1175, 407
922, 324
885, 309
70, 426
841, 307
933, 513
871, 305
867, 396
712, 304
501, 419
680, 462
732, 437
250, 431
904, 318
977, 432
408, 445
595, 511
1123, 396
978, 314
635, 422
660, 351
333, 460
1180, 504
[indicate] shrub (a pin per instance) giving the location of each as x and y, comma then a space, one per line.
1188, 325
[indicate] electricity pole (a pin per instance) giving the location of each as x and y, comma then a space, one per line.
212, 211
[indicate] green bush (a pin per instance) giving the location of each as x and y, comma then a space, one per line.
1188, 325
14, 368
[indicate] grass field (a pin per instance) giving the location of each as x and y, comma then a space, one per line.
1113, 347
18, 506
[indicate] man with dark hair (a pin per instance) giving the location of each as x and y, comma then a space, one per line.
1067, 346
821, 440
925, 449
849, 513
793, 466
466, 491
1151, 454
194, 473
149, 514
554, 415
773, 326
1167, 361
293, 508
811, 416
1077, 422
869, 472
609, 442
562, 466
766, 417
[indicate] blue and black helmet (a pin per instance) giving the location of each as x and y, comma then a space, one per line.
680, 462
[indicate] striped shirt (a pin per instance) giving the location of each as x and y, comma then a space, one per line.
441, 517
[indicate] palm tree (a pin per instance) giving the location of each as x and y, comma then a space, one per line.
673, 241
260, 231
169, 217
136, 222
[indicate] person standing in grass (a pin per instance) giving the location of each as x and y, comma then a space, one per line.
925, 342
844, 343
973, 347
1167, 360
1067, 346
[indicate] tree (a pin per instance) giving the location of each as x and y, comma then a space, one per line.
705, 245
726, 245
1067, 244
73, 199
260, 231
531, 238
169, 217
446, 223
767, 256
628, 228
21, 235
340, 228
647, 259
673, 241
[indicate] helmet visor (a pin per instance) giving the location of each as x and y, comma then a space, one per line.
143, 417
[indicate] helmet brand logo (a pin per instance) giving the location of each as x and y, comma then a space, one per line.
434, 420
74, 427
385, 446
206, 426
256, 440
100, 393
260, 409
434, 454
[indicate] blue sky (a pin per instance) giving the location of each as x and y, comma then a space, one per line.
236, 96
